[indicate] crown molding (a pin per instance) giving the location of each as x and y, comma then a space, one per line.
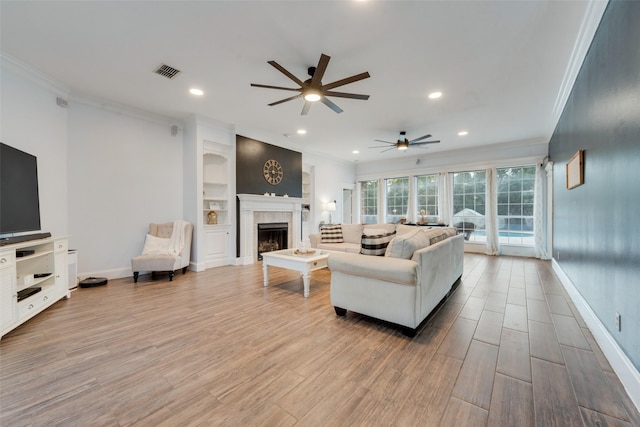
588, 28
127, 110
43, 80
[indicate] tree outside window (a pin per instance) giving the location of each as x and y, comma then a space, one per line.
427, 198
369, 202
397, 198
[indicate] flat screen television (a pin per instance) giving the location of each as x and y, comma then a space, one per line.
19, 201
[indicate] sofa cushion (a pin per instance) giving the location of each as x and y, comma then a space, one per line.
374, 231
353, 248
331, 233
389, 228
403, 228
404, 245
351, 233
438, 234
376, 245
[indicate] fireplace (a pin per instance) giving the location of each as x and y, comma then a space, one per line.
272, 236
254, 209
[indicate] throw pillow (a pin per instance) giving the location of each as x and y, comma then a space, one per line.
156, 245
331, 234
375, 245
404, 245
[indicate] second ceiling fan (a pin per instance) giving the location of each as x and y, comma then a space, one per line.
403, 143
313, 90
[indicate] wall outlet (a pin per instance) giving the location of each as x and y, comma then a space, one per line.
618, 322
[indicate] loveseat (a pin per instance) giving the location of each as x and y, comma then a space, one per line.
417, 270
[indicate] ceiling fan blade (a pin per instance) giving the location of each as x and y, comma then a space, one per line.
285, 72
346, 95
285, 100
348, 80
386, 142
423, 142
392, 148
274, 87
331, 105
422, 137
380, 146
320, 69
305, 108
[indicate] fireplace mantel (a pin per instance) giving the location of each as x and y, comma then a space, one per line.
274, 205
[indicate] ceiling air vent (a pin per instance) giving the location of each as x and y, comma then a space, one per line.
167, 71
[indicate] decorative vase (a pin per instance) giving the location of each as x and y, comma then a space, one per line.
212, 217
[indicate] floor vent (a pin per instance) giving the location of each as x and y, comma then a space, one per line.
167, 71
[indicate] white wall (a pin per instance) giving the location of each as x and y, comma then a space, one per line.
31, 121
125, 171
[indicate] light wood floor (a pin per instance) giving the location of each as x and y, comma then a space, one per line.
217, 348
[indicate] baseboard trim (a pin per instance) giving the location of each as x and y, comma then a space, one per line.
626, 371
116, 273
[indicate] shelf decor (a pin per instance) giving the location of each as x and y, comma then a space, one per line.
575, 170
212, 218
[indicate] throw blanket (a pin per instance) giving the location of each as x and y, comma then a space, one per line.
177, 237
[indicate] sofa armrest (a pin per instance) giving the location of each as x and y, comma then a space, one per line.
314, 239
396, 270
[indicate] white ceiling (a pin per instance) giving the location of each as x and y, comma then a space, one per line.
499, 64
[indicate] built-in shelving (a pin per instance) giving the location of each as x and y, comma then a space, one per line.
39, 266
215, 189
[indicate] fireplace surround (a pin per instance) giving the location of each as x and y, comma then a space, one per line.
254, 209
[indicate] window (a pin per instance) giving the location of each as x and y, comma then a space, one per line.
515, 204
369, 202
427, 198
469, 194
397, 198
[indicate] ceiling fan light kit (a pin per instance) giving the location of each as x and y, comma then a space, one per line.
312, 90
403, 143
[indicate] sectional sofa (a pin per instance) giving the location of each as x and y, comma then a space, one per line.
416, 270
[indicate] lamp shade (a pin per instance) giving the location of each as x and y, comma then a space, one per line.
331, 206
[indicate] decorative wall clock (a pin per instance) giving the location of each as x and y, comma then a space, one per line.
272, 172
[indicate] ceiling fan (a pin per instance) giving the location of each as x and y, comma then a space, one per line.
313, 90
403, 143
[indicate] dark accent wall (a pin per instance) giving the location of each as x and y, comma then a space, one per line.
596, 234
250, 158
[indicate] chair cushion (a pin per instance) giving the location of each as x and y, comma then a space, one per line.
376, 245
155, 263
331, 233
404, 245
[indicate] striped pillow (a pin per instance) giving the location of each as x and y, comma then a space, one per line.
376, 245
331, 234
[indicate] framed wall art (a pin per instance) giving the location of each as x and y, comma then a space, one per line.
575, 170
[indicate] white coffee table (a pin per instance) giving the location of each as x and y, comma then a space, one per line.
288, 258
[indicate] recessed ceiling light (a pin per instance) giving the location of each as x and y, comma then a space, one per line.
435, 95
463, 133
196, 92
301, 131
356, 152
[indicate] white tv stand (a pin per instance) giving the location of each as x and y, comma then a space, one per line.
17, 273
